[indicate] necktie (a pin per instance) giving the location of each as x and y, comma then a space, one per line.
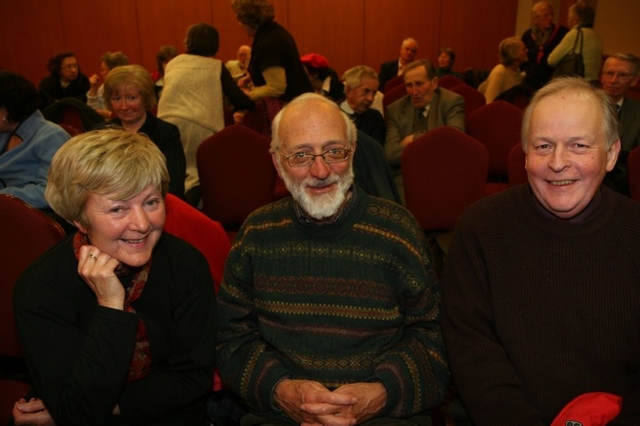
419, 121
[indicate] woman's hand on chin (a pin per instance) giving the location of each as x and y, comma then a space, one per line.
98, 271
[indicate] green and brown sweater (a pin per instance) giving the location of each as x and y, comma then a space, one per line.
352, 301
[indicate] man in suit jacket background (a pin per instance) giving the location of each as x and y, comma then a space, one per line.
390, 69
425, 107
619, 73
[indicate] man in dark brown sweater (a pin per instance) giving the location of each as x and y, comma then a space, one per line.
541, 286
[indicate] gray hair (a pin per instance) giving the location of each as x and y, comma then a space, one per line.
628, 57
582, 87
353, 76
350, 128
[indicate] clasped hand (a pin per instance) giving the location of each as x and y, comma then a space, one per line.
312, 404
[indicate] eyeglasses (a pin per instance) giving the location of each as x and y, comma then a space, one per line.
302, 159
70, 66
622, 76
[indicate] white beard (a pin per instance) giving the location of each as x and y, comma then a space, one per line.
320, 206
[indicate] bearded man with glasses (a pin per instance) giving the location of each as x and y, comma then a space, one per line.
329, 307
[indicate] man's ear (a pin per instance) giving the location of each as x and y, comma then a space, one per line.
274, 159
612, 155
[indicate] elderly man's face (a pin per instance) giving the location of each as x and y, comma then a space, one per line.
408, 51
567, 155
544, 19
617, 77
361, 97
320, 188
419, 87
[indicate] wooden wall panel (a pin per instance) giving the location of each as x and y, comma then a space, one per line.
348, 32
30, 32
92, 28
474, 29
332, 28
388, 22
167, 24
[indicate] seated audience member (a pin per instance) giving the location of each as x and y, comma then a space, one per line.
118, 321
446, 59
581, 18
192, 98
27, 141
512, 53
164, 55
360, 88
324, 79
238, 67
329, 304
108, 61
395, 67
540, 40
425, 107
619, 73
275, 69
128, 92
65, 80
541, 281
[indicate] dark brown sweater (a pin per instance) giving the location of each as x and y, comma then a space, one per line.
537, 311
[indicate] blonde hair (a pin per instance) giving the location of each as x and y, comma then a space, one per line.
583, 88
508, 50
111, 161
134, 75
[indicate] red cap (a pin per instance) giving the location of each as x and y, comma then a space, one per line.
314, 60
590, 409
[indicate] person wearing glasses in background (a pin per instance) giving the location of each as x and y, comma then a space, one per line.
64, 80
619, 74
329, 306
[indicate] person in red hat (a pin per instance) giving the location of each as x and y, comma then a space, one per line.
324, 79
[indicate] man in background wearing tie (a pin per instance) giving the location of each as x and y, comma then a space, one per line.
425, 107
619, 73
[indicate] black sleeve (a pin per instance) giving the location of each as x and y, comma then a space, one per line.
231, 90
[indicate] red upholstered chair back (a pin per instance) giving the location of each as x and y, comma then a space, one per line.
444, 171
497, 126
633, 170
472, 98
393, 82
448, 81
70, 129
393, 95
190, 224
72, 117
26, 234
517, 173
236, 174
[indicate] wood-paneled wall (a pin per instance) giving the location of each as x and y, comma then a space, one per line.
347, 32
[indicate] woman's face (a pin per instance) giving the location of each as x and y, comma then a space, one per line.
104, 70
69, 69
127, 104
126, 230
444, 60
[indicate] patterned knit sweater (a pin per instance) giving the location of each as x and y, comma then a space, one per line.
538, 310
351, 301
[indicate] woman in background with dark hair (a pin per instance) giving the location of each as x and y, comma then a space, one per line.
194, 85
446, 59
27, 141
65, 80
